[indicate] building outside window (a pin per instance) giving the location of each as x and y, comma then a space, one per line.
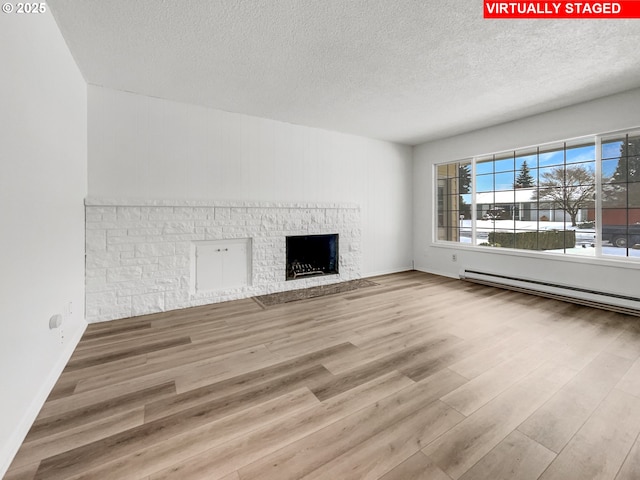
579, 197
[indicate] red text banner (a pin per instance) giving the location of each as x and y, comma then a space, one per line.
562, 9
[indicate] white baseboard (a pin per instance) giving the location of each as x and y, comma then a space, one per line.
435, 272
387, 272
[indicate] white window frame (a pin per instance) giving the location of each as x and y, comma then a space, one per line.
599, 256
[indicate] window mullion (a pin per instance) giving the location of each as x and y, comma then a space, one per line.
598, 199
474, 211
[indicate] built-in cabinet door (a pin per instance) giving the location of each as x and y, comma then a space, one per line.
209, 268
234, 265
222, 264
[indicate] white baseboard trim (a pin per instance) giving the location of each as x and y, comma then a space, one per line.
435, 272
387, 272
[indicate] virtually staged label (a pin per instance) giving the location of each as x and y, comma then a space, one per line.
562, 9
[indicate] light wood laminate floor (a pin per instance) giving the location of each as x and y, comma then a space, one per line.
419, 377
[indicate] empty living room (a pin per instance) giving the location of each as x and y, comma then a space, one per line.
302, 239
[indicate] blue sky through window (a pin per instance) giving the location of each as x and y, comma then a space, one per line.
611, 148
507, 167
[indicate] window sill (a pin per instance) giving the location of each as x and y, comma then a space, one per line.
627, 262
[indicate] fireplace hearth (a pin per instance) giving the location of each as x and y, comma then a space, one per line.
312, 255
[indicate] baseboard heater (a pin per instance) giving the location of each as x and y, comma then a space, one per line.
582, 296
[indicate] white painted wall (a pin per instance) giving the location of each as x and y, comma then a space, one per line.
43, 143
607, 114
149, 148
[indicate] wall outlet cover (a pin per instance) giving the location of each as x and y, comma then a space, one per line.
55, 321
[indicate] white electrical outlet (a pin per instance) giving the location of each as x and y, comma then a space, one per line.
55, 321
454, 257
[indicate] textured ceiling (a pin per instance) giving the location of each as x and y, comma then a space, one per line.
400, 70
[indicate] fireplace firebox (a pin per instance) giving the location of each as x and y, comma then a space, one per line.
312, 255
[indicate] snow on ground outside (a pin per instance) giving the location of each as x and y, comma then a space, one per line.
585, 238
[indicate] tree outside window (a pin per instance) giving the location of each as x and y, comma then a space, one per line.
569, 188
464, 179
524, 179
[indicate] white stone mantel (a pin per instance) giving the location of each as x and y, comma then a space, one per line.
139, 251
141, 202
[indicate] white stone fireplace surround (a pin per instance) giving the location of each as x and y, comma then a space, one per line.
140, 253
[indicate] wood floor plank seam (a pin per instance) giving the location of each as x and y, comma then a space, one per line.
93, 334
190, 443
55, 423
146, 336
163, 370
626, 457
260, 376
52, 445
509, 465
599, 448
334, 410
557, 444
76, 364
533, 440
149, 434
404, 403
385, 450
261, 391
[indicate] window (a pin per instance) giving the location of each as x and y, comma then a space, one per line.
620, 193
546, 198
454, 199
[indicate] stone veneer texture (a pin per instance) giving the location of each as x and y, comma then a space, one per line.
139, 253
